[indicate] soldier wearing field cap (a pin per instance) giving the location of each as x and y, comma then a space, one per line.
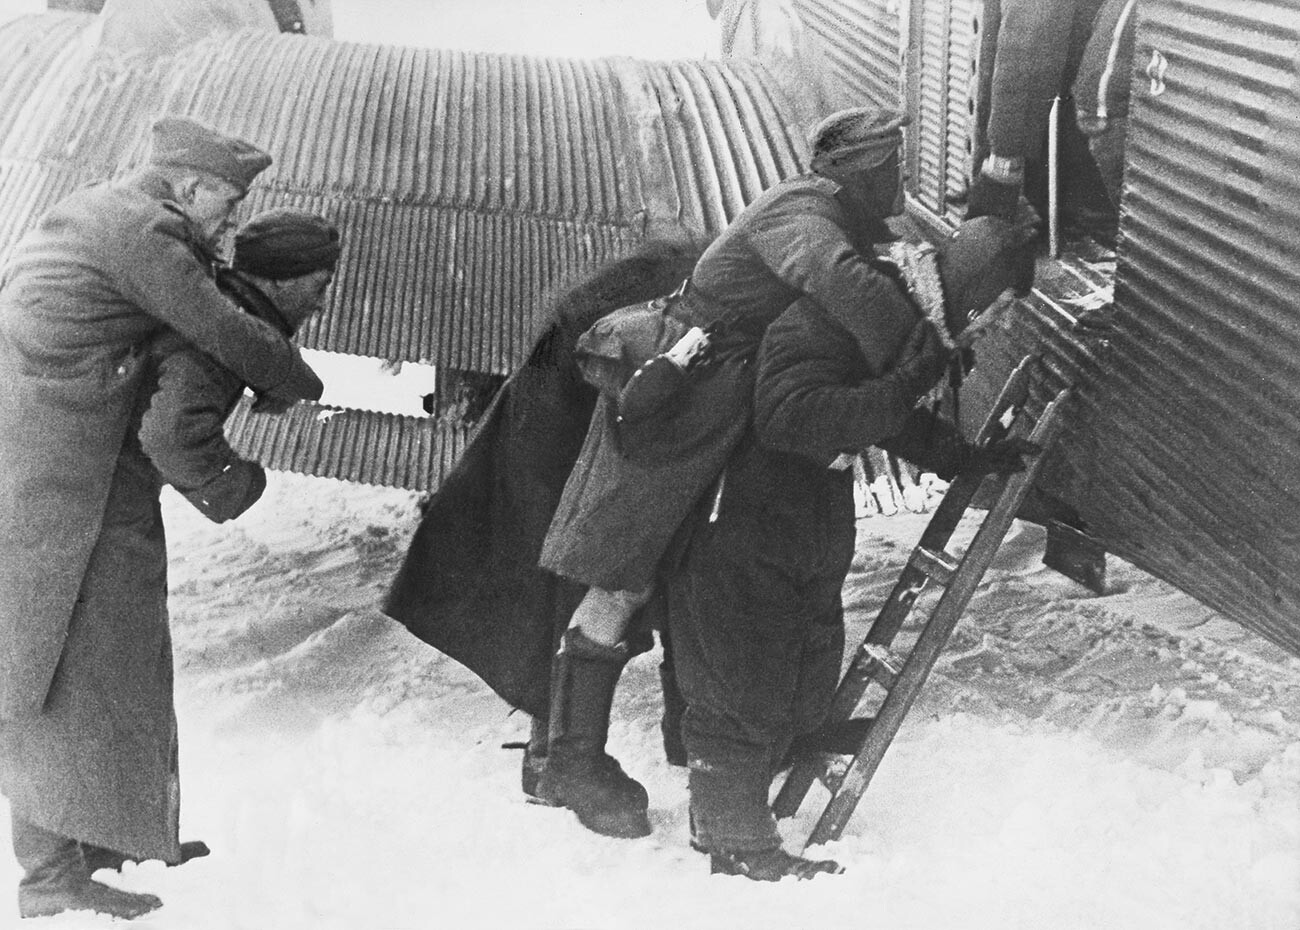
644, 466
756, 616
283, 263
88, 750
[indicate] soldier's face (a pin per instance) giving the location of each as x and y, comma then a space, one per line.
301, 298
878, 191
211, 207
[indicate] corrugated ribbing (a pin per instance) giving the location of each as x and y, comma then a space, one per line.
460, 288
351, 445
491, 132
27, 190
1198, 420
725, 134
942, 50
35, 57
860, 39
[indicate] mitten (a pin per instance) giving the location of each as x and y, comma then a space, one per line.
1001, 457
236, 488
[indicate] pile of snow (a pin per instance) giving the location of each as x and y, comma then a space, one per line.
1102, 763
1124, 761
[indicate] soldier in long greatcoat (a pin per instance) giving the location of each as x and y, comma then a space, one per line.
87, 728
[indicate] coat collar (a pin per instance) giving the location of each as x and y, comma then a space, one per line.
251, 298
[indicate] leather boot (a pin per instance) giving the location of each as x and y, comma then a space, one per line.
770, 865
579, 774
56, 879
98, 857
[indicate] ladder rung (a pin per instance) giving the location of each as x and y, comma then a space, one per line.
882, 665
938, 566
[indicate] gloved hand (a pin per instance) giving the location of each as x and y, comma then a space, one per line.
1002, 457
922, 361
988, 197
234, 489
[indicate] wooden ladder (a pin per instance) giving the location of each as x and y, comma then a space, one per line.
901, 677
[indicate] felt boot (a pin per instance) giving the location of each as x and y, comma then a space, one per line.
770, 865
57, 879
579, 774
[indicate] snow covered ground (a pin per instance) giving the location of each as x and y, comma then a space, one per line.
1122, 762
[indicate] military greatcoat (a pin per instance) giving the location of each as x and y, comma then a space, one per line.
87, 729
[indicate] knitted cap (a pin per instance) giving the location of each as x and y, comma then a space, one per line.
285, 243
860, 137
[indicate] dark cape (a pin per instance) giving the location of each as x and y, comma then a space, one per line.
470, 584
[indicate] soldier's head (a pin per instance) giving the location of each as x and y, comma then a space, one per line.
978, 262
291, 256
209, 172
861, 150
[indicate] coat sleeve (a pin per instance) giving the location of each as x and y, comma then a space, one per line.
809, 251
1101, 88
810, 398
182, 430
161, 276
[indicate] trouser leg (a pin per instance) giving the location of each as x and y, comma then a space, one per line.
729, 781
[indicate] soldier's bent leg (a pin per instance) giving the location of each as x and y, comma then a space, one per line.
604, 616
57, 879
579, 774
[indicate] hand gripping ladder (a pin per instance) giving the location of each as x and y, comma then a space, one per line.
902, 677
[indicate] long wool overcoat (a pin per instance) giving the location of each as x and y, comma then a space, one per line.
87, 729
470, 584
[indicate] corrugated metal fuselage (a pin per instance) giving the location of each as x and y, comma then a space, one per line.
471, 186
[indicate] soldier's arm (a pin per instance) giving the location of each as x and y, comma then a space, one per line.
182, 431
160, 275
809, 398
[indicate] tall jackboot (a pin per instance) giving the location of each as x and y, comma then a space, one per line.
57, 879
579, 774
